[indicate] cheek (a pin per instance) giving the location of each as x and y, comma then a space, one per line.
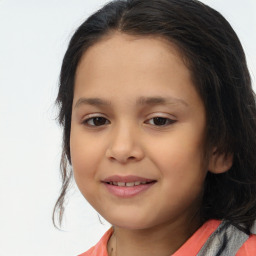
84, 164
178, 151
180, 157
85, 156
182, 174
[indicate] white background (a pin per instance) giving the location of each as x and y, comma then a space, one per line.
33, 38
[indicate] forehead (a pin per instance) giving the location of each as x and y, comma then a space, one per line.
125, 65
119, 48
131, 53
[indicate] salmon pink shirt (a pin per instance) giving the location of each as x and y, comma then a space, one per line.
190, 248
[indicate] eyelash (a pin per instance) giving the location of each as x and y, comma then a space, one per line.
168, 120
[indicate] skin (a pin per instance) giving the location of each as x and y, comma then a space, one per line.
120, 69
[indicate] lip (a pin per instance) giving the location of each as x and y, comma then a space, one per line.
127, 192
128, 178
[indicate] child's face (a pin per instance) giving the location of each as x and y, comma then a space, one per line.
151, 124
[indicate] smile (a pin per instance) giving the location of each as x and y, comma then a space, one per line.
127, 186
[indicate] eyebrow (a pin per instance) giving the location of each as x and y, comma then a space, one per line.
92, 101
158, 100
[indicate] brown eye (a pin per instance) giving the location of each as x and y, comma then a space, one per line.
96, 121
161, 121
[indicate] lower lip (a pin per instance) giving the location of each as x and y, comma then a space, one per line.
127, 192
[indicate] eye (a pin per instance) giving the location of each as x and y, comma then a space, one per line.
96, 121
160, 121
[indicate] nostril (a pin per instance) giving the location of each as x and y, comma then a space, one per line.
124, 153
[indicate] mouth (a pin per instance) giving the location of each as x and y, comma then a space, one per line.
127, 186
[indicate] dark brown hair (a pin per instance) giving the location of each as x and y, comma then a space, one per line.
213, 53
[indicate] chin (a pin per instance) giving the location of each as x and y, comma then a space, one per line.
131, 226
129, 223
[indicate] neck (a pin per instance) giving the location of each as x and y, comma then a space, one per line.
161, 240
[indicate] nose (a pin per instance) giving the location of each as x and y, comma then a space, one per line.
125, 145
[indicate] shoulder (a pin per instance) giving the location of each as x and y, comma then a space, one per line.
229, 240
195, 243
90, 252
100, 249
248, 248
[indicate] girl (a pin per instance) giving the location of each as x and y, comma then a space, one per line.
159, 123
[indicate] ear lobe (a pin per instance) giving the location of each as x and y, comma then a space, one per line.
220, 163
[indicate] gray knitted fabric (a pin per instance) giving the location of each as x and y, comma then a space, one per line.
224, 241
253, 228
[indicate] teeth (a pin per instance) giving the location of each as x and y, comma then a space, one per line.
127, 184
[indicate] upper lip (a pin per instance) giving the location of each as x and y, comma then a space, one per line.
129, 178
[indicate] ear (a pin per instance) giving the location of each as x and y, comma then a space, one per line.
220, 163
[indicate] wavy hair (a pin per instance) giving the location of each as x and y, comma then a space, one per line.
215, 57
